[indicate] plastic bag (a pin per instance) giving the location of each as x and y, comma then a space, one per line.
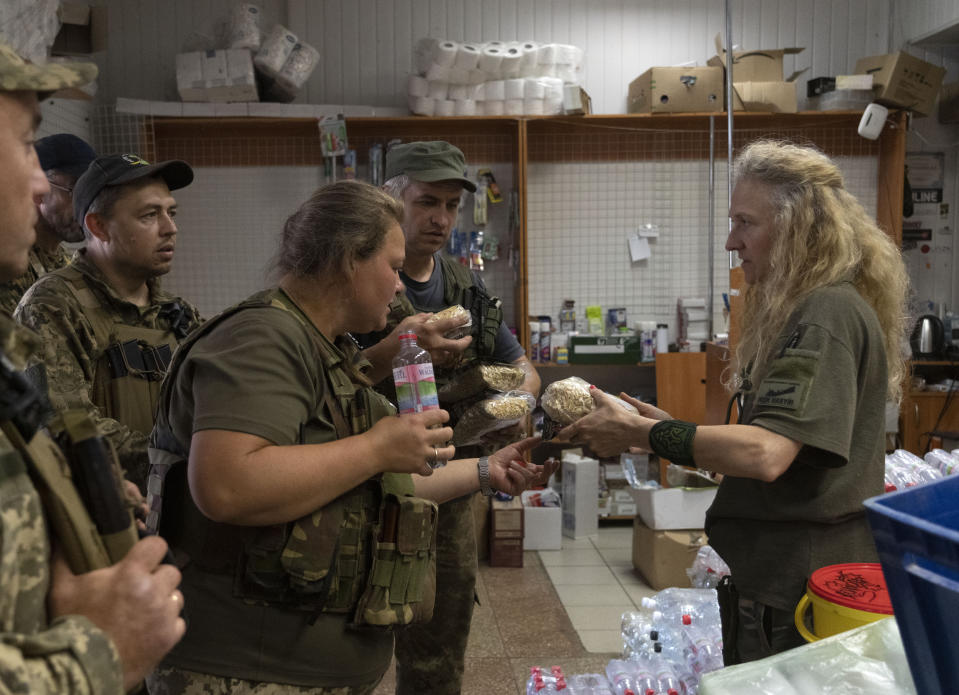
477, 378
492, 414
708, 568
565, 402
454, 312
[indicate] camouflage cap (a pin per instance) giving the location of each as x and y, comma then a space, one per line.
16, 74
428, 162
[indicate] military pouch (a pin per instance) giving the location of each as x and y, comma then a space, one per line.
136, 358
260, 575
402, 584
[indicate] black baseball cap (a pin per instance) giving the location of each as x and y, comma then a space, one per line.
66, 153
117, 169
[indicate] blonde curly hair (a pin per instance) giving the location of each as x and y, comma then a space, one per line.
824, 237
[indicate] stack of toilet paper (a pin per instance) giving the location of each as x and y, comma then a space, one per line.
491, 79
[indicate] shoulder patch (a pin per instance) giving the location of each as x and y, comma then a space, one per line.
780, 393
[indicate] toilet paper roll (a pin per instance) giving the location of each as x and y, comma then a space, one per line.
435, 71
528, 58
568, 55
476, 92
438, 90
422, 106
467, 107
457, 92
480, 108
554, 88
445, 53
494, 108
547, 54
568, 74
553, 105
534, 107
417, 86
491, 59
445, 107
534, 89
511, 61
494, 90
467, 57
423, 54
298, 67
274, 50
494, 43
244, 27
515, 88
458, 76
513, 107
476, 77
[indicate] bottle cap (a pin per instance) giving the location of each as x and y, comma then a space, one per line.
687, 620
658, 648
654, 635
407, 336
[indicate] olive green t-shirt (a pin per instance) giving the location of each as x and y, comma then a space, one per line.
825, 387
260, 372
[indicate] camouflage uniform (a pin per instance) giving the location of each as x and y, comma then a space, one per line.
69, 654
73, 350
41, 263
171, 681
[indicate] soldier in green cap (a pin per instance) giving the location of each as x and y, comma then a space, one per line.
97, 632
429, 177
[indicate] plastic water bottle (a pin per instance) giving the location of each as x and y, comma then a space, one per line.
627, 678
414, 380
666, 678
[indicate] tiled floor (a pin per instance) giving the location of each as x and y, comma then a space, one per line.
562, 607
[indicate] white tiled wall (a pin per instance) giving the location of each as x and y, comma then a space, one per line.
66, 116
580, 215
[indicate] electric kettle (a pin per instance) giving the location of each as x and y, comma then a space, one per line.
928, 340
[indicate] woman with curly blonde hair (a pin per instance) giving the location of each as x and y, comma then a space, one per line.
819, 356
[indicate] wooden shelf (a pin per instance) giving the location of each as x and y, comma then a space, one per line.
562, 365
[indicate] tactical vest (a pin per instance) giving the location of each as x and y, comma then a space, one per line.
370, 552
460, 288
90, 537
127, 376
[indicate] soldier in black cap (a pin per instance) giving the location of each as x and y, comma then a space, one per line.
108, 328
63, 158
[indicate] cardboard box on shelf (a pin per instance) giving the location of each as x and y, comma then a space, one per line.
662, 557
762, 65
758, 83
506, 533
543, 526
83, 29
580, 495
576, 102
674, 507
677, 90
765, 97
903, 80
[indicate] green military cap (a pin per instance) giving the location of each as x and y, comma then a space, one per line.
16, 74
428, 162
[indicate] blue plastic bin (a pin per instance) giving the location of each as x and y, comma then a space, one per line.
917, 535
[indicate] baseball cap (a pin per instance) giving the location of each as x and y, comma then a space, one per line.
16, 74
428, 162
116, 169
66, 153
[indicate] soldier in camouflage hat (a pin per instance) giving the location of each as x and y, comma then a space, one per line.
98, 632
63, 157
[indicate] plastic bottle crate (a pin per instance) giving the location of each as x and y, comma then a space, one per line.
917, 535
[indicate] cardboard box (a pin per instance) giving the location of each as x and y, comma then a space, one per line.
576, 102
597, 349
674, 507
580, 496
662, 557
765, 97
189, 76
543, 527
506, 534
677, 90
241, 78
903, 80
762, 65
83, 29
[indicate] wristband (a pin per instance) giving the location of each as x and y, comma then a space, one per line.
673, 439
484, 480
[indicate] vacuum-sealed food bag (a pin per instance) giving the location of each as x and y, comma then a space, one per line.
454, 312
492, 414
477, 378
565, 402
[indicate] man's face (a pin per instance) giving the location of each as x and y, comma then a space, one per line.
56, 207
430, 211
753, 219
139, 235
21, 181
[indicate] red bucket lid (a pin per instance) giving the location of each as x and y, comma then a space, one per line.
858, 585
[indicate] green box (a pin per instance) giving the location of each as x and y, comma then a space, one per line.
614, 349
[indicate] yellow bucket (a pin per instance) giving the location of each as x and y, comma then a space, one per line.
843, 597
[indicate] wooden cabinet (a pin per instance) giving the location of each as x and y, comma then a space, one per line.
681, 385
923, 415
